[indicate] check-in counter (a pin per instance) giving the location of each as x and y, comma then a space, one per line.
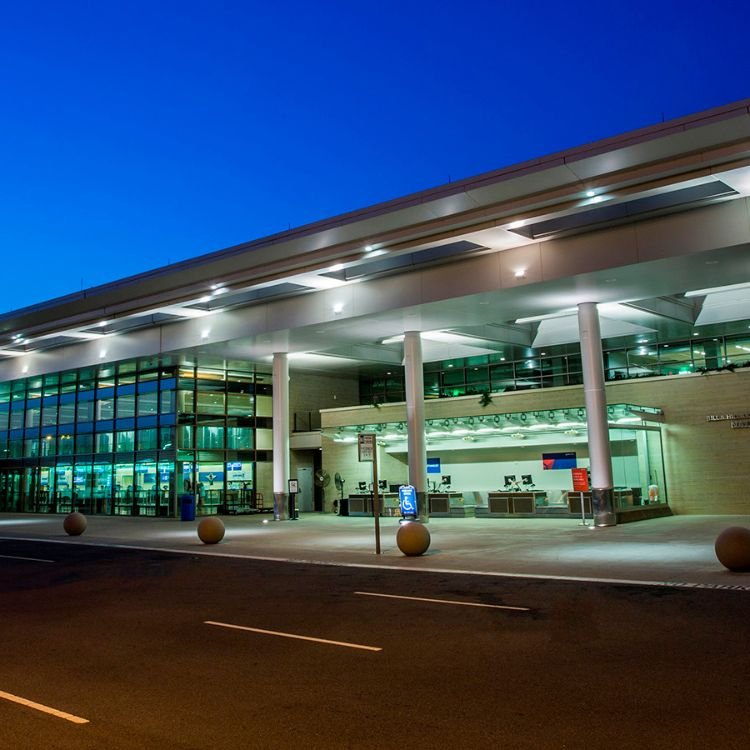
360, 504
513, 503
447, 504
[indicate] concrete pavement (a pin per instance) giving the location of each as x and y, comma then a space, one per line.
663, 551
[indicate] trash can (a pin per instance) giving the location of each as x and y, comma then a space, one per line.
344, 506
187, 507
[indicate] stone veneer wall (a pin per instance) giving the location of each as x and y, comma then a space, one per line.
707, 464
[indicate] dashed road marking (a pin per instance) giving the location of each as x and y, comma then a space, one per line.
293, 635
41, 707
444, 601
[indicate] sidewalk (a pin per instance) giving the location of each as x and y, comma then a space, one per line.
676, 551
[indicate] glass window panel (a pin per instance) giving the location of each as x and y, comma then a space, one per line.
67, 412
210, 437
240, 405
31, 448
47, 446
148, 403
240, 438
166, 439
105, 405
185, 437
210, 403
33, 413
104, 442
147, 439
84, 443
186, 402
65, 444
708, 354
125, 441
17, 415
85, 411
126, 406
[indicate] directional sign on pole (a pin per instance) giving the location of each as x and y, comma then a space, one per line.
366, 446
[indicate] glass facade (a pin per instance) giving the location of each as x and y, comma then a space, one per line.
496, 373
130, 438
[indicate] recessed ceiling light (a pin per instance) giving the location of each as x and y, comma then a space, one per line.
590, 193
369, 248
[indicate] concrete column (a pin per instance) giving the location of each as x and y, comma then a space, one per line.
280, 436
600, 455
417, 452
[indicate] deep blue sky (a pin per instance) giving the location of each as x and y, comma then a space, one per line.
134, 134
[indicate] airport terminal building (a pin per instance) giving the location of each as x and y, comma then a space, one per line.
570, 334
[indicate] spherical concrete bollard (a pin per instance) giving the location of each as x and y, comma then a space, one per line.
413, 538
733, 548
75, 524
211, 530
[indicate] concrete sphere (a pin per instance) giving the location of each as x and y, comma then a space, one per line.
75, 524
211, 530
733, 548
413, 538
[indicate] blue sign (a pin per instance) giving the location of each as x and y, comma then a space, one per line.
407, 499
433, 466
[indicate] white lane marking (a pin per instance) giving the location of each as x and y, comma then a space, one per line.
292, 635
41, 707
29, 559
396, 566
444, 601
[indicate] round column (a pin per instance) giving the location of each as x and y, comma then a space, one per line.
417, 452
600, 454
280, 436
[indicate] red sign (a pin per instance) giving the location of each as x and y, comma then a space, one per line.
580, 480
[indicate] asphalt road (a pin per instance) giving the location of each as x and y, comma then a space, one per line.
123, 639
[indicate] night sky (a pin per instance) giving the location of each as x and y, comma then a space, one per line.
135, 134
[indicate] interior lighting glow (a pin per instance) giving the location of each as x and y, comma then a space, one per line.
205, 298
590, 193
516, 224
520, 273
338, 308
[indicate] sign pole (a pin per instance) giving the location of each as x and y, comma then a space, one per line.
367, 448
581, 484
376, 499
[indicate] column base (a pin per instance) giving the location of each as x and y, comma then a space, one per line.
423, 507
603, 506
280, 506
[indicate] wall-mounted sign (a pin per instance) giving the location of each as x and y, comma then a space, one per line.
565, 460
433, 466
726, 417
740, 424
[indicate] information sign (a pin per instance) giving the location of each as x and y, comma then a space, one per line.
366, 446
580, 479
407, 499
